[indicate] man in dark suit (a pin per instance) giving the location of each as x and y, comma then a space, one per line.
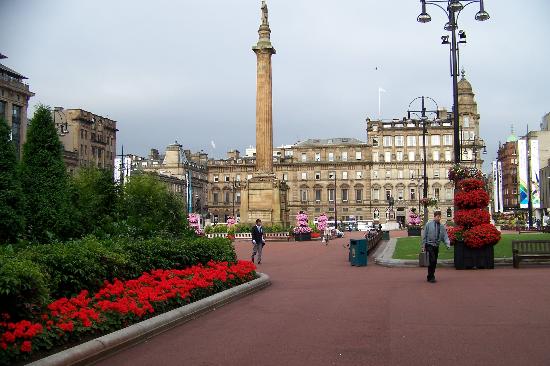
257, 240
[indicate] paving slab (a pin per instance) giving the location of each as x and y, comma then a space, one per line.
321, 311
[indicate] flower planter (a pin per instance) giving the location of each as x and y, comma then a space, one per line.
302, 237
414, 231
468, 258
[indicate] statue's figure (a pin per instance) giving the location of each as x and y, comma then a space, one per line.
264, 13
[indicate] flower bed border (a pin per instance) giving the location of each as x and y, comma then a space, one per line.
111, 343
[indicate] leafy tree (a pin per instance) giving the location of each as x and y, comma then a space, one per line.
11, 197
44, 181
94, 196
148, 208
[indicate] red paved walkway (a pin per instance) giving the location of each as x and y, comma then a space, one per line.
321, 311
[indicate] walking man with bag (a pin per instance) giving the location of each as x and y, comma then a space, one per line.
257, 240
434, 233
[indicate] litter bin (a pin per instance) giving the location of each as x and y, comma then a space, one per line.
358, 252
385, 235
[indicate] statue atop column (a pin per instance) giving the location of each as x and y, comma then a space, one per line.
265, 20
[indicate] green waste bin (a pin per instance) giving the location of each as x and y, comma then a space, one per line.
385, 235
358, 252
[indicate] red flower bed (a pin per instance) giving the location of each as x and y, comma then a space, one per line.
454, 233
116, 305
471, 184
481, 235
315, 235
474, 199
472, 217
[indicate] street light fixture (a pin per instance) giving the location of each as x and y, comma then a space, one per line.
452, 10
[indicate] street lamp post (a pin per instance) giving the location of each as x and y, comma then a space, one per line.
452, 10
335, 212
423, 118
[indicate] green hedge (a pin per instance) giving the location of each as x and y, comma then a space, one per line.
33, 275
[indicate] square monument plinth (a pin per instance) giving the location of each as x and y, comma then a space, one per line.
264, 197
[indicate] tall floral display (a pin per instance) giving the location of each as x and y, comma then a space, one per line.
473, 236
413, 223
302, 231
322, 225
194, 223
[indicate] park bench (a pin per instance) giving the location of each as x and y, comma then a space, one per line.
216, 235
278, 236
243, 236
530, 249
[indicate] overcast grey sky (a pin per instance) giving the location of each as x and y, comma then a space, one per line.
184, 70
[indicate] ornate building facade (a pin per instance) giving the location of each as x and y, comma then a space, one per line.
14, 100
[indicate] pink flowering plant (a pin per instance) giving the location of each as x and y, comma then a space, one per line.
322, 222
414, 218
194, 222
231, 221
302, 226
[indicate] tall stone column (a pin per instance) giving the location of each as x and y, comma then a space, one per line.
264, 113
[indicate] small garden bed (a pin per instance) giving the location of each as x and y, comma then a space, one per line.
115, 305
409, 247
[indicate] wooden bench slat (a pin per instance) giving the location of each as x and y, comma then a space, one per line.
529, 249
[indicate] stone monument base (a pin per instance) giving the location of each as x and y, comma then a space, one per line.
264, 197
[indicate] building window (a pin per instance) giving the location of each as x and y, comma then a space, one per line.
345, 194
2, 108
248, 176
358, 155
411, 156
447, 155
436, 140
330, 156
317, 156
216, 178
466, 121
226, 178
387, 156
303, 195
376, 214
375, 174
238, 197
400, 194
388, 174
387, 141
411, 140
344, 156
375, 141
436, 173
285, 177
399, 140
238, 177
412, 194
226, 197
388, 194
215, 197
304, 157
16, 127
421, 140
330, 195
317, 195
375, 157
317, 175
435, 155
436, 193
359, 175
448, 194
448, 140
344, 175
304, 175
399, 156
400, 174
358, 195
375, 194
331, 175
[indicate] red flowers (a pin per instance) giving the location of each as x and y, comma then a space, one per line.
471, 184
473, 199
120, 303
454, 233
481, 235
472, 217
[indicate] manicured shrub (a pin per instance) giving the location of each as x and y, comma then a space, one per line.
23, 287
202, 250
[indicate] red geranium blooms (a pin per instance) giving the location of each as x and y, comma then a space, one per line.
474, 199
481, 235
455, 233
472, 217
471, 184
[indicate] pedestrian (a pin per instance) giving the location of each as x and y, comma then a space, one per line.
257, 240
434, 232
326, 235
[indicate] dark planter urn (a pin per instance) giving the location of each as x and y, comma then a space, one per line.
414, 231
302, 237
468, 258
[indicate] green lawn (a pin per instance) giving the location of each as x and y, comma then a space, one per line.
409, 247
